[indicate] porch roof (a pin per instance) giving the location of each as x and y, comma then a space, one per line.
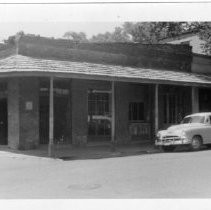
19, 65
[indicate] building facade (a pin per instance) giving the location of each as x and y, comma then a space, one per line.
201, 63
56, 91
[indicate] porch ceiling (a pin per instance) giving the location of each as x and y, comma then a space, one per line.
18, 65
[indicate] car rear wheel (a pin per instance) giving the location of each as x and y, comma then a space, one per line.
196, 143
168, 148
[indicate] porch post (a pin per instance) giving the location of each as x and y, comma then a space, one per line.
195, 99
112, 113
51, 120
156, 108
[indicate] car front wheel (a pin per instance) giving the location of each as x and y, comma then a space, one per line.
196, 143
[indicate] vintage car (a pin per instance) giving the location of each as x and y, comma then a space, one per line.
194, 130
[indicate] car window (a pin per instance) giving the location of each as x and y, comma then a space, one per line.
208, 120
193, 119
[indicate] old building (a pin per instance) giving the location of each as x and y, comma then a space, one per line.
93, 93
201, 63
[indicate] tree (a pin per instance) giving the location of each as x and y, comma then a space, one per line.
77, 37
144, 32
153, 32
204, 29
12, 39
119, 35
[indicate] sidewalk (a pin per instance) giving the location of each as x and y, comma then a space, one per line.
69, 152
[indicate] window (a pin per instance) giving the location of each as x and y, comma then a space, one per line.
209, 119
194, 119
99, 119
136, 111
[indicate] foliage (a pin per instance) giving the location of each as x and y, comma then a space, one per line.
145, 32
77, 37
12, 39
119, 35
205, 35
153, 32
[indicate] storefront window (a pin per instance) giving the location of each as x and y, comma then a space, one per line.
99, 119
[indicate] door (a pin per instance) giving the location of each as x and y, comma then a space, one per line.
206, 131
3, 122
99, 115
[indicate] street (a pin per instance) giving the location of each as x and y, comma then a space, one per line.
162, 175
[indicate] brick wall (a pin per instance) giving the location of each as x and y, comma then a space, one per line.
23, 113
13, 113
169, 57
201, 64
29, 112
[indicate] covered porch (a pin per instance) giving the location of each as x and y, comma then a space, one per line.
79, 103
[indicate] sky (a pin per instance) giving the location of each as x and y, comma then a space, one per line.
53, 20
55, 29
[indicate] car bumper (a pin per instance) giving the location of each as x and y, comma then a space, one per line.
172, 142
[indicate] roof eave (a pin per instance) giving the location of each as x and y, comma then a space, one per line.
100, 77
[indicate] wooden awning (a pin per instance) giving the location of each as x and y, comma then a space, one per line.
18, 65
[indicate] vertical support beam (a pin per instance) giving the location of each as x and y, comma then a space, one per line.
51, 120
113, 112
156, 108
167, 108
195, 99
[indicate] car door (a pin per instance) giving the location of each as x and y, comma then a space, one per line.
207, 130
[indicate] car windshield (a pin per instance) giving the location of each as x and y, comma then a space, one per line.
193, 119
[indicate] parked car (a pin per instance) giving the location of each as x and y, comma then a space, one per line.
194, 130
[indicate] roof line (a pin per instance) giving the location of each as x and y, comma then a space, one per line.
25, 66
100, 77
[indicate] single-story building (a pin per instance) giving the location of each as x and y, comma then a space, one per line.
59, 91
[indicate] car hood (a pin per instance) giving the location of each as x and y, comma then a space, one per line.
178, 129
184, 126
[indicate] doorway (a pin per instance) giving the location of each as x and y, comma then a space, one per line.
62, 111
3, 121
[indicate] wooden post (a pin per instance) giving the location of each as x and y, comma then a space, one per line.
51, 121
113, 115
156, 108
195, 99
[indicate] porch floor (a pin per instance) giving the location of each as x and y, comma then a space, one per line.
69, 152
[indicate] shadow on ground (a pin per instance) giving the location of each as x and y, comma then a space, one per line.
69, 152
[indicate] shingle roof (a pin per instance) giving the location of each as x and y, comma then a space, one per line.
22, 64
